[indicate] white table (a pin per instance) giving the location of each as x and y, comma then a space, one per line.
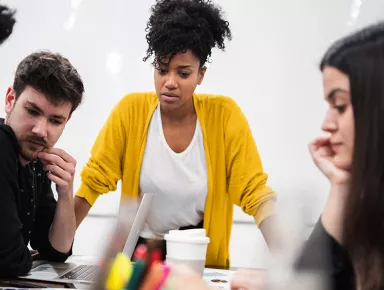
209, 274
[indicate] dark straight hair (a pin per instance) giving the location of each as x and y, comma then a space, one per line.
361, 57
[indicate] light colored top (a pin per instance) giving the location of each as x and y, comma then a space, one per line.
235, 172
179, 181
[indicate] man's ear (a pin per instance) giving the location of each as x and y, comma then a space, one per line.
10, 100
202, 72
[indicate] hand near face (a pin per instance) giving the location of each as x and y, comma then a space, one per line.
60, 168
322, 155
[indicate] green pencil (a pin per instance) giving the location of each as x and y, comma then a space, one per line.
137, 272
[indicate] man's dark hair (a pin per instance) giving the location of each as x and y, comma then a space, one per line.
51, 74
7, 21
180, 25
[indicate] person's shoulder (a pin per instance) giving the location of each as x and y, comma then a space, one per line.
9, 156
8, 142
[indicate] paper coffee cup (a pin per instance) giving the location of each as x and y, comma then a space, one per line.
186, 247
189, 233
196, 265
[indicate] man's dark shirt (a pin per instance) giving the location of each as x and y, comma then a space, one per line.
27, 209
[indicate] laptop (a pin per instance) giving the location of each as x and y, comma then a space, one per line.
130, 222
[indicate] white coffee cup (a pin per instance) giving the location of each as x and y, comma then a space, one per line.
189, 233
190, 247
197, 265
187, 247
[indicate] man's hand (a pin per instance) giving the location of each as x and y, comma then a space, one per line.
60, 168
35, 255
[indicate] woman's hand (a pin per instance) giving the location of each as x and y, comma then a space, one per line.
183, 278
322, 155
249, 280
333, 213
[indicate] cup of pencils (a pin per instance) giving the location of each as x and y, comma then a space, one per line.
146, 273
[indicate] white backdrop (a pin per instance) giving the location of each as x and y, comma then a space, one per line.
270, 68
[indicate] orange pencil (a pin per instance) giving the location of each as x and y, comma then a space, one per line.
153, 278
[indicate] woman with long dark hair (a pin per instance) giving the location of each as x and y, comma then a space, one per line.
352, 156
347, 245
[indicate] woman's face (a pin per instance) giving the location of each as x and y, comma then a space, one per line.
176, 81
339, 119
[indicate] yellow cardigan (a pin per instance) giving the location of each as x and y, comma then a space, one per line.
235, 173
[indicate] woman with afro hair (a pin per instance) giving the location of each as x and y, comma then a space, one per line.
195, 152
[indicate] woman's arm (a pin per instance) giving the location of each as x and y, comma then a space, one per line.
246, 179
104, 168
333, 214
82, 207
268, 229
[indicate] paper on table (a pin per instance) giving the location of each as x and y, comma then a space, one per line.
219, 278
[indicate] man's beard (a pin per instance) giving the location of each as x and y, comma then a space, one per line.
30, 146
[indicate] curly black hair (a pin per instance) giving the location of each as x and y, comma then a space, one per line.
180, 25
7, 21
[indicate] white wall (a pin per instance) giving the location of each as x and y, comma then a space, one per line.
270, 68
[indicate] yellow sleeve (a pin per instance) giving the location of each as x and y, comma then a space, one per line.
104, 168
246, 180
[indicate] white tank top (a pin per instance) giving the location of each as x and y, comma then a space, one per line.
178, 180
